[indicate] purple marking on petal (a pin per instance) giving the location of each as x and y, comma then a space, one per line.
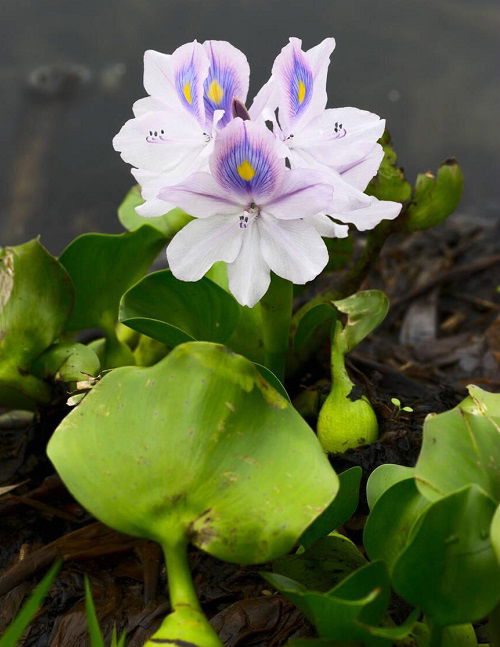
190, 66
246, 161
297, 78
227, 79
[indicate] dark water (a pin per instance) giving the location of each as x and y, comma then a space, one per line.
431, 67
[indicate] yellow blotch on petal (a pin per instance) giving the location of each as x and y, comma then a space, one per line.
246, 171
187, 92
301, 92
215, 92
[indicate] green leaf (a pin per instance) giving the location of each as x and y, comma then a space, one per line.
449, 568
199, 448
173, 311
459, 448
168, 224
36, 297
102, 267
270, 377
323, 565
390, 182
495, 532
311, 320
384, 477
391, 521
482, 403
347, 612
96, 638
340, 509
30, 608
365, 311
68, 362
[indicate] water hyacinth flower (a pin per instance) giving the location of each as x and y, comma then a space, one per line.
190, 96
340, 141
251, 212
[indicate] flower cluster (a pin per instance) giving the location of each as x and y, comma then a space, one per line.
263, 186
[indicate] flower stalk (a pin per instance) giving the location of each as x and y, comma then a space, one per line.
276, 315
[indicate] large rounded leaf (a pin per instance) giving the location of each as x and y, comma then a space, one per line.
197, 445
102, 267
36, 297
174, 311
391, 521
449, 568
459, 448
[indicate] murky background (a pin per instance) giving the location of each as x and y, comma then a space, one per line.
431, 67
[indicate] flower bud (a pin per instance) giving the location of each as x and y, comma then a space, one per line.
435, 198
345, 420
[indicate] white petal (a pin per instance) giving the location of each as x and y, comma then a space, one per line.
148, 104
302, 193
201, 196
201, 243
293, 249
159, 141
368, 217
359, 175
327, 228
249, 275
265, 102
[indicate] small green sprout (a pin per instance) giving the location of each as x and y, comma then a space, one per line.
397, 403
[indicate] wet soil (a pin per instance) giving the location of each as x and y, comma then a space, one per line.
442, 333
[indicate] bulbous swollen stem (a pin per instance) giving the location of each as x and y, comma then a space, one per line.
186, 624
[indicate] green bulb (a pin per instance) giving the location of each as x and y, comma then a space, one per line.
344, 423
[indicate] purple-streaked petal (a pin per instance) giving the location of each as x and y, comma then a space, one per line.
294, 77
369, 216
201, 243
302, 193
293, 249
228, 78
247, 160
201, 197
158, 141
301, 80
327, 228
249, 275
359, 175
178, 78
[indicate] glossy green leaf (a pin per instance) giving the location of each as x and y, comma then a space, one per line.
480, 402
449, 568
323, 565
340, 509
16, 629
168, 224
459, 448
36, 297
394, 515
68, 362
495, 532
270, 377
384, 477
200, 448
390, 182
349, 611
365, 311
435, 198
173, 311
311, 320
102, 267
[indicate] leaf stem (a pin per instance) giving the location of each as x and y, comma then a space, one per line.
494, 627
276, 316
